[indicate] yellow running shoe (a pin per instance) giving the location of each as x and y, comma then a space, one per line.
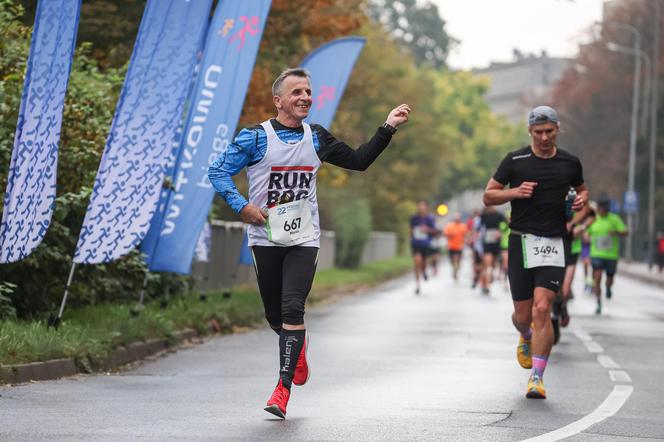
523, 354
536, 388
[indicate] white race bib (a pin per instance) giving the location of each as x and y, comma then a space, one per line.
604, 242
539, 251
492, 236
290, 224
419, 233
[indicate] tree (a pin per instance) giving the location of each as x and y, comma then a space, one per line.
594, 98
416, 26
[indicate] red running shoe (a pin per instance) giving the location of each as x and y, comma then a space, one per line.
302, 371
279, 400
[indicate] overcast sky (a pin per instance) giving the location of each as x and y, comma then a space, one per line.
490, 29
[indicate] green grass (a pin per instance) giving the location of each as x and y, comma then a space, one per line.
90, 334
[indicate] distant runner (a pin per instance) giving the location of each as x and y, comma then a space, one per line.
539, 177
576, 229
490, 222
504, 245
474, 241
604, 235
422, 230
456, 233
660, 251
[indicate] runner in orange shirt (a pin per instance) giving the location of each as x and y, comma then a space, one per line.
455, 232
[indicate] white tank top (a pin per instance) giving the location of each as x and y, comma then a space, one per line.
285, 170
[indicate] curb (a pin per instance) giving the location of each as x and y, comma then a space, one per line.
648, 279
59, 368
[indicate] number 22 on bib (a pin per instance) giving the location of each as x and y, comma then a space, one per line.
290, 224
539, 251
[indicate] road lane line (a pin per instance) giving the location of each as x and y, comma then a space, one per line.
582, 335
613, 402
619, 376
607, 362
594, 347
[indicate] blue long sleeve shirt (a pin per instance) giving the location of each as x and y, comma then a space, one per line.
250, 145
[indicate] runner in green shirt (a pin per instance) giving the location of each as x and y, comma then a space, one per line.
604, 235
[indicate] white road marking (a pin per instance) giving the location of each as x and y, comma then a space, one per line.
607, 361
613, 402
582, 335
594, 347
619, 376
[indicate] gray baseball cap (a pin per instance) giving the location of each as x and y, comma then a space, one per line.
541, 115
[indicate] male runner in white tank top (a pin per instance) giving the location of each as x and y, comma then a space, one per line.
282, 157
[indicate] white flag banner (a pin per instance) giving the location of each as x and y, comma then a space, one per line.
147, 116
30, 197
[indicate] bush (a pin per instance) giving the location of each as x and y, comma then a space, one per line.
352, 226
7, 310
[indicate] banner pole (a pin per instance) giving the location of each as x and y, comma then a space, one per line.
55, 321
142, 296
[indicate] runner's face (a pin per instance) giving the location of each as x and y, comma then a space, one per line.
544, 136
294, 101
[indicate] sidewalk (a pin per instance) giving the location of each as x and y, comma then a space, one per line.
640, 271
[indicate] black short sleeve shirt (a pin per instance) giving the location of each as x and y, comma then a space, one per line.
544, 213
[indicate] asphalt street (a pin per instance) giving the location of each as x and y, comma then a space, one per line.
386, 365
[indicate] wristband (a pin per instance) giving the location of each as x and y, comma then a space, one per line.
391, 129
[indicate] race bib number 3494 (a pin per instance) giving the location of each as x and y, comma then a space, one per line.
290, 224
539, 251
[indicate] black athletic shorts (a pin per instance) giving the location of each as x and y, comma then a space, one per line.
523, 281
572, 259
424, 251
454, 253
492, 248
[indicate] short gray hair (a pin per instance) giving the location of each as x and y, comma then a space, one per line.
296, 72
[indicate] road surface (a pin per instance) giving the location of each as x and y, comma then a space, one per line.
386, 365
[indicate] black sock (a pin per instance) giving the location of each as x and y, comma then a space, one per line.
290, 345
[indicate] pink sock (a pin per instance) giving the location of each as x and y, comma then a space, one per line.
539, 364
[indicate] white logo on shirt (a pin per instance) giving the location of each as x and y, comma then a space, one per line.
518, 157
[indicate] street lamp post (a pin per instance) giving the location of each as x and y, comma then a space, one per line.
653, 135
636, 51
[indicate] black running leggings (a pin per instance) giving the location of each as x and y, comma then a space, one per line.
285, 275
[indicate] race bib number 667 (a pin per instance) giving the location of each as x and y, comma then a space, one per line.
291, 223
539, 251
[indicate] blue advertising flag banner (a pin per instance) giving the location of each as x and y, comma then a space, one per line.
245, 257
30, 196
330, 66
223, 78
147, 116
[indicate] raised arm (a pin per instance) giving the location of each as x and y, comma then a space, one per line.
341, 154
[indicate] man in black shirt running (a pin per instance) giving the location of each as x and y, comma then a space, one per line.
539, 177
